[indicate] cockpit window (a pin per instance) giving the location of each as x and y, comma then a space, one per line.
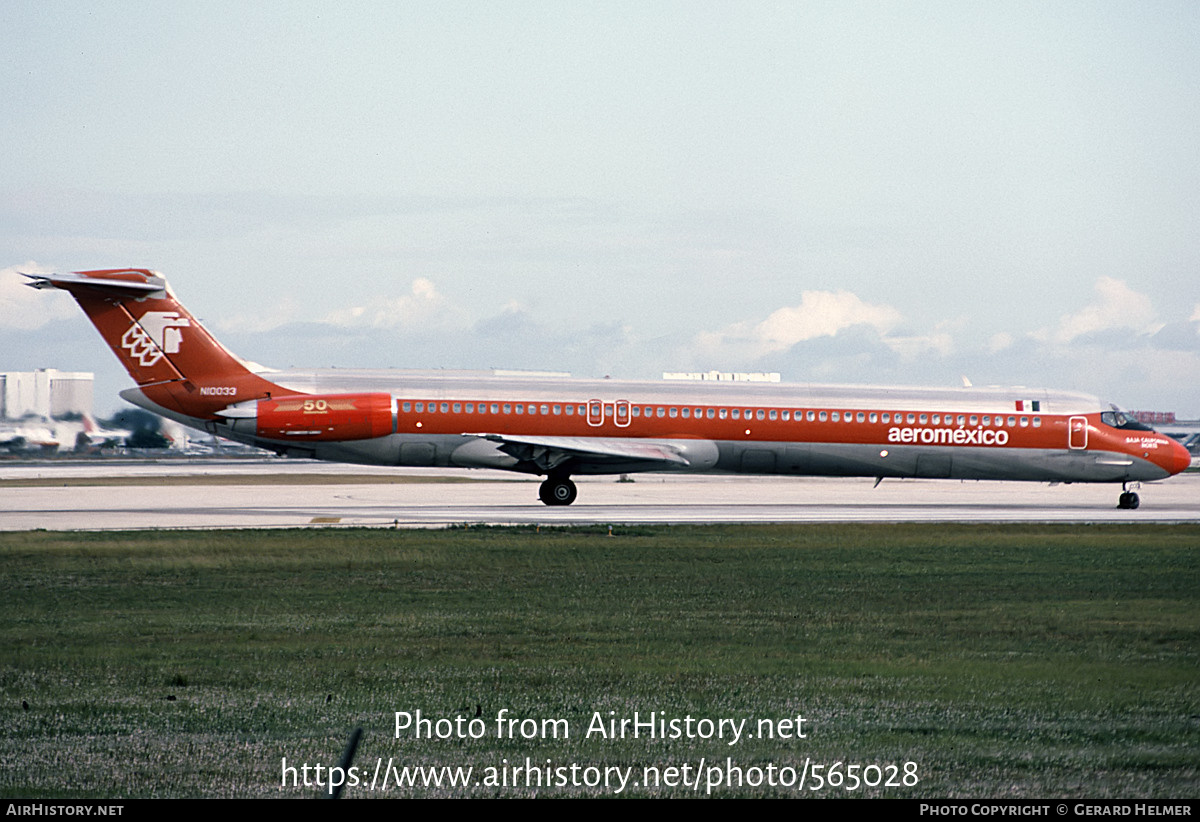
1119, 419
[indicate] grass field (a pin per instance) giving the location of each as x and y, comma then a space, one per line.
1004, 661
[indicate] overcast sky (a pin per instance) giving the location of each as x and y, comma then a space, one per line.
842, 192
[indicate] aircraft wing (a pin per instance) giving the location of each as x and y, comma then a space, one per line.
550, 452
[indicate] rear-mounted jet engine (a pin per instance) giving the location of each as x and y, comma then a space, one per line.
315, 417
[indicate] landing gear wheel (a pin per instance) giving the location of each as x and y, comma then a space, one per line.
557, 491
1128, 500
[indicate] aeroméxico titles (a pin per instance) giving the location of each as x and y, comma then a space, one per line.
558, 427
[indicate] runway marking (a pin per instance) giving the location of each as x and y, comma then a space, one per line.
206, 480
325, 520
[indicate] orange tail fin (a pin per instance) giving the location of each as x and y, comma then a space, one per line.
167, 352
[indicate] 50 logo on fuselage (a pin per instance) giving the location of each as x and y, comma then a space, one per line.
155, 334
949, 436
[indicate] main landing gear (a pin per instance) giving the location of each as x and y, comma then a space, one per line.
1128, 500
557, 491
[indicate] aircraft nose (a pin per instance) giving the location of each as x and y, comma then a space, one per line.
1175, 459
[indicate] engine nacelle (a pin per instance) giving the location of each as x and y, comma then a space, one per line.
317, 417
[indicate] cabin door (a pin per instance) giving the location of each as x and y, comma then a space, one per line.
1077, 438
621, 415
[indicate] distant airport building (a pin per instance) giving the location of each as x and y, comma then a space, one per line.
46, 392
723, 376
1154, 417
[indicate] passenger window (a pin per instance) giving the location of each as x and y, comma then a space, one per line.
660, 411
672, 412
760, 414
686, 413
860, 417
873, 417
1024, 422
724, 412
507, 408
1037, 422
736, 413
710, 413
458, 408
924, 418
557, 410
407, 407
823, 416
974, 419
885, 418
1012, 421
912, 418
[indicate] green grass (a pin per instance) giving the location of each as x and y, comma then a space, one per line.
1028, 660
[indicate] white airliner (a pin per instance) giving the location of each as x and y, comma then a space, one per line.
49, 435
557, 427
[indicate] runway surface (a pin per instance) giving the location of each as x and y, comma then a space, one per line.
182, 495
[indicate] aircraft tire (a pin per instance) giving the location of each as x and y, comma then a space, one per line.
1128, 500
557, 491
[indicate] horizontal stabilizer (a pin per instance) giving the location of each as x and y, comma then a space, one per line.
132, 282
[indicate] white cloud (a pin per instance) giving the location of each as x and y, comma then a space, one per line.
25, 309
1195, 318
939, 343
1117, 307
819, 314
286, 311
422, 306
999, 342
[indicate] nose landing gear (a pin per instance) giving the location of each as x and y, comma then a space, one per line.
557, 491
1128, 499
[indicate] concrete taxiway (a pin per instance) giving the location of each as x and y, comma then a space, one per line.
190, 494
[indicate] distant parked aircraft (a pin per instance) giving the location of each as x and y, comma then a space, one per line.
45, 434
